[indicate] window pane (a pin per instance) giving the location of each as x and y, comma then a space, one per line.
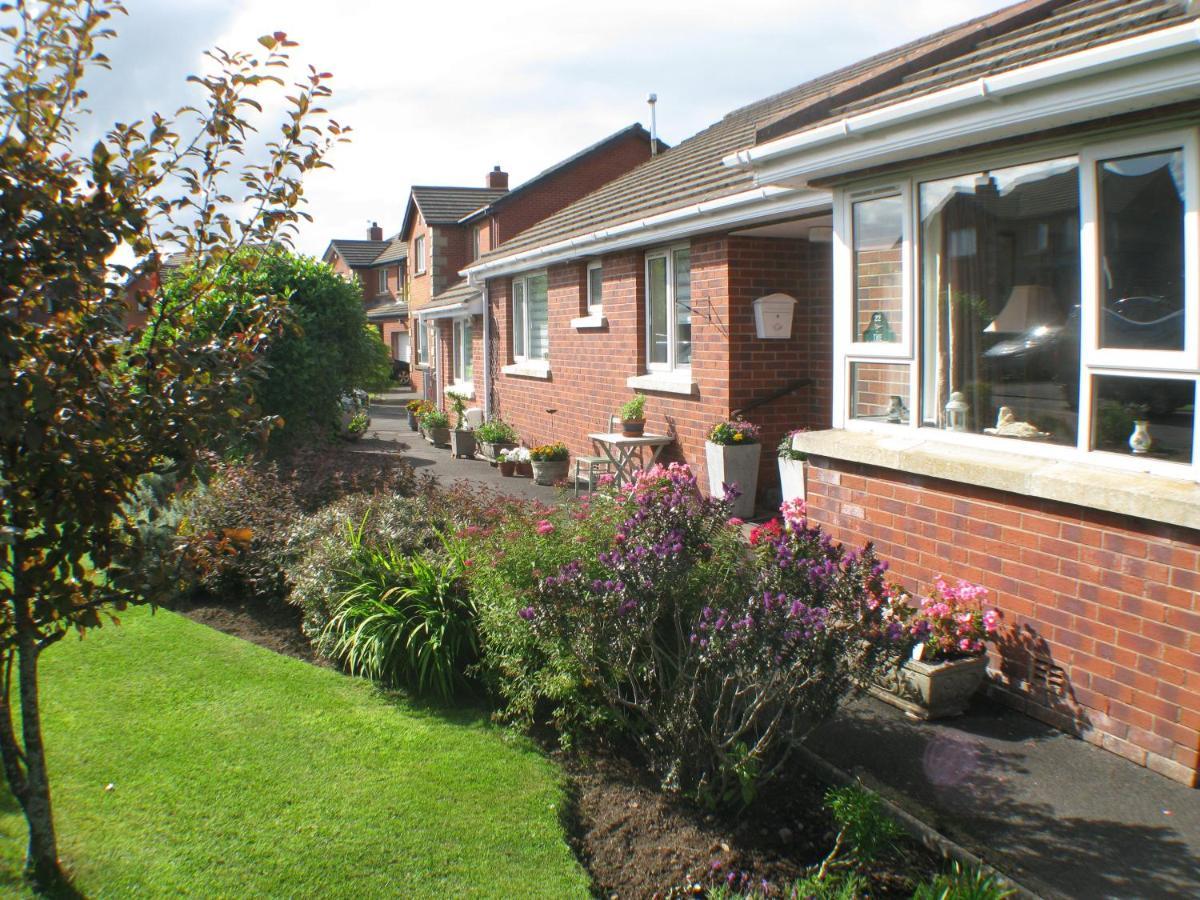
1000, 278
1141, 215
879, 391
683, 307
878, 263
1160, 409
595, 287
518, 318
656, 299
539, 330
468, 367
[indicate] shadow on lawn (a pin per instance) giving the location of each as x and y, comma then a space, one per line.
965, 785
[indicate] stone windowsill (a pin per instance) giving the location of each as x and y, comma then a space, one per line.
529, 369
592, 321
1153, 497
464, 389
663, 383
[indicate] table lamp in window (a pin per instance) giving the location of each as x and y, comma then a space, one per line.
1028, 306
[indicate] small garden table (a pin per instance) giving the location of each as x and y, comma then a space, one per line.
620, 449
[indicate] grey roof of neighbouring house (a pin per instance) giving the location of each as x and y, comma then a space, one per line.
693, 170
390, 310
459, 292
446, 205
395, 251
358, 254
603, 144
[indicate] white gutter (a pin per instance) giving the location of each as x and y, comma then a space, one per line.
735, 210
1022, 100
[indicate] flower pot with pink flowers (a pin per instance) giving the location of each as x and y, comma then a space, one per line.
946, 660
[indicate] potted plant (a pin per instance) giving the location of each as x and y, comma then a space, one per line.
494, 437
633, 416
519, 456
355, 414
732, 452
945, 658
793, 468
508, 467
436, 425
550, 463
357, 426
462, 438
414, 409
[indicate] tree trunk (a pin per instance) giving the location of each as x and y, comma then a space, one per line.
41, 859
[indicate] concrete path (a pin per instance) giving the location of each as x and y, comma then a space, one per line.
1058, 815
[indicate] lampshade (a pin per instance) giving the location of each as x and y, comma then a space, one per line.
1028, 306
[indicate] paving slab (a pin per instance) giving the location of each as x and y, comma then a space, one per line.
1056, 814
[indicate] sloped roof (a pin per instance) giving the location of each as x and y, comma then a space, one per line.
395, 251
357, 254
459, 292
603, 144
389, 310
446, 205
693, 171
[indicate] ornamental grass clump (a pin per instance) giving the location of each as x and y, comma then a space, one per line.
715, 657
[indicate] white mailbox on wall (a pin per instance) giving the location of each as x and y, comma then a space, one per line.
773, 316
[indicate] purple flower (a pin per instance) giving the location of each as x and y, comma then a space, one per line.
527, 613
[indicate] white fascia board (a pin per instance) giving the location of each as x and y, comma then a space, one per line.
734, 210
454, 310
1138, 73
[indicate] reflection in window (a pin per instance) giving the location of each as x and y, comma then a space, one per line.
1000, 288
879, 392
878, 270
1141, 215
682, 260
1148, 417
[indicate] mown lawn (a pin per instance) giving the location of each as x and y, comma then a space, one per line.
241, 773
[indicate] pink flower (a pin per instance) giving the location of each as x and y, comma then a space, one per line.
794, 513
619, 537
991, 621
545, 527
605, 480
735, 521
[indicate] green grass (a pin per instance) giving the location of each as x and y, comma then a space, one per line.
241, 773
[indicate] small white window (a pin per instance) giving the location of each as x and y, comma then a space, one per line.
422, 337
595, 289
531, 320
419, 255
463, 367
669, 309
475, 241
383, 281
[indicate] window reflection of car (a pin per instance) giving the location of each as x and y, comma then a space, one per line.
1051, 352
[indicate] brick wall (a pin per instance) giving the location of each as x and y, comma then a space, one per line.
731, 366
878, 288
1101, 612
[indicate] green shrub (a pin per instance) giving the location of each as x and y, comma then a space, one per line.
404, 620
496, 431
962, 883
634, 410
434, 418
864, 827
325, 350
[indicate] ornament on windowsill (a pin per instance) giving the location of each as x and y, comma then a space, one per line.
956, 412
1008, 426
1140, 441
896, 410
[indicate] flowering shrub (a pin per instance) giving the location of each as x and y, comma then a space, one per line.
716, 659
949, 623
555, 452
735, 431
515, 455
496, 431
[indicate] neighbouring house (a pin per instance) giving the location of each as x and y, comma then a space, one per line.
992, 236
455, 226
380, 266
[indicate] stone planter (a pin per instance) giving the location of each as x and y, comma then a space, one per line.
462, 443
413, 424
550, 471
439, 437
491, 452
792, 475
507, 469
734, 464
933, 690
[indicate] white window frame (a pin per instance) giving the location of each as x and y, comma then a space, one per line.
422, 341
595, 305
525, 333
419, 254
1094, 362
461, 351
671, 365
381, 286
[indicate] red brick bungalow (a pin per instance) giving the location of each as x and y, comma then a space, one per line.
1006, 306
460, 224
380, 267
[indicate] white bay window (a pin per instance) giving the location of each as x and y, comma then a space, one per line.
1053, 304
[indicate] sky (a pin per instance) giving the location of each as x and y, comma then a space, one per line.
440, 92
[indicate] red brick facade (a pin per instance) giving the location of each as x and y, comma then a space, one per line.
1101, 612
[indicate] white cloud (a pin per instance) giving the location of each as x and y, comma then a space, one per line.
439, 92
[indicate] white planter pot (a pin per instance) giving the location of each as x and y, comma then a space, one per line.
734, 465
792, 475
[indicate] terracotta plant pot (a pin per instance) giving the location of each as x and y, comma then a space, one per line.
507, 469
550, 471
462, 443
633, 429
524, 470
931, 690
